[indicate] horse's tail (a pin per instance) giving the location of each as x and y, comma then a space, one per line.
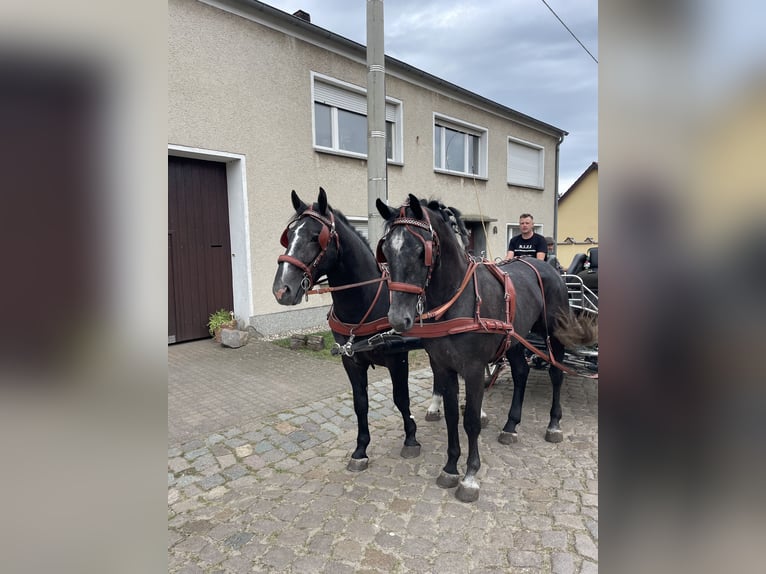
576, 330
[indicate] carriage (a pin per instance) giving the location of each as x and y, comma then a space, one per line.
581, 279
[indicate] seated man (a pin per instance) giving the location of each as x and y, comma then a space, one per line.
527, 243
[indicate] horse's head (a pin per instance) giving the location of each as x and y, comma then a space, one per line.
311, 243
410, 248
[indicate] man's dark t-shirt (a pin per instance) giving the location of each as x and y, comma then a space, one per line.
530, 247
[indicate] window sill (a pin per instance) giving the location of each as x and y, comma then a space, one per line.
461, 174
525, 186
351, 154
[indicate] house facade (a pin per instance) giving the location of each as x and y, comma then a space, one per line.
262, 102
578, 217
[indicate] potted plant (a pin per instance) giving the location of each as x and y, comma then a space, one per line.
219, 320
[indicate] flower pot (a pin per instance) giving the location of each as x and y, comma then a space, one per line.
229, 325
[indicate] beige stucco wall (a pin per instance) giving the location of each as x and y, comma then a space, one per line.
241, 87
578, 218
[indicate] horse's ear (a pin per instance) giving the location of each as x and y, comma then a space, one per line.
385, 211
299, 206
415, 206
322, 201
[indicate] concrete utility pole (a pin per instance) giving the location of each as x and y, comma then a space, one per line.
377, 181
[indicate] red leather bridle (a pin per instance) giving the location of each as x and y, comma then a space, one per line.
430, 252
326, 235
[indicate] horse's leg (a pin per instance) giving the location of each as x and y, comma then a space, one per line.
484, 416
398, 367
434, 409
468, 489
554, 432
519, 373
446, 383
357, 375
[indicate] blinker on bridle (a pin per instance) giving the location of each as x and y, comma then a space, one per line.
327, 233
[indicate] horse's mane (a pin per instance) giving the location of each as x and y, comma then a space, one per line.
451, 216
341, 217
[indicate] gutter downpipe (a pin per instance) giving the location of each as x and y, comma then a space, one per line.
556, 201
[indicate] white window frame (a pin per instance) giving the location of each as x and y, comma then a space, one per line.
338, 94
529, 177
361, 224
466, 128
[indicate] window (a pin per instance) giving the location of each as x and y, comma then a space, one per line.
340, 119
360, 224
459, 147
525, 163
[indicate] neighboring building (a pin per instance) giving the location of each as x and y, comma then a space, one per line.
262, 102
578, 217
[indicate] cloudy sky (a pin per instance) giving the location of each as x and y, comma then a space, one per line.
514, 52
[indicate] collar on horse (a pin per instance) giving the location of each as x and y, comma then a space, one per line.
327, 234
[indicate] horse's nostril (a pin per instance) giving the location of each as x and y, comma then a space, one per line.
280, 293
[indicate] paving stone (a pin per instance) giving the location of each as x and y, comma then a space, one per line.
278, 558
238, 539
214, 439
196, 453
585, 546
209, 482
554, 539
562, 563
177, 464
293, 506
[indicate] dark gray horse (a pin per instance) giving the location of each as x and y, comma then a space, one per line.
320, 241
431, 276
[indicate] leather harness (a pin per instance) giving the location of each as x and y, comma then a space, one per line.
438, 327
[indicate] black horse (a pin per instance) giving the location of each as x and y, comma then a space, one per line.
431, 276
320, 241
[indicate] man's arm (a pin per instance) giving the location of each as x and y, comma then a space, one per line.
509, 255
542, 248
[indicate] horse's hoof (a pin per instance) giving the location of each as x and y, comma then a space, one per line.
410, 451
446, 480
433, 416
508, 437
467, 491
554, 435
484, 421
358, 464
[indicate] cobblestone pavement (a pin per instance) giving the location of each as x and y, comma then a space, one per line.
270, 492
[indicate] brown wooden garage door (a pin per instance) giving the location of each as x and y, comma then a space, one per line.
199, 246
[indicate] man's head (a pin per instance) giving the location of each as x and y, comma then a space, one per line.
526, 224
551, 244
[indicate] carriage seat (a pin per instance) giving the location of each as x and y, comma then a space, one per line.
577, 265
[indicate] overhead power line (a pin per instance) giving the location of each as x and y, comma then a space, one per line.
570, 31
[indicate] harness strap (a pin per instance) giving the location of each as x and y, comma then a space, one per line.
439, 311
405, 288
323, 290
359, 330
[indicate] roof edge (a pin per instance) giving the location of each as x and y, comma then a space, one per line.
593, 166
326, 35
